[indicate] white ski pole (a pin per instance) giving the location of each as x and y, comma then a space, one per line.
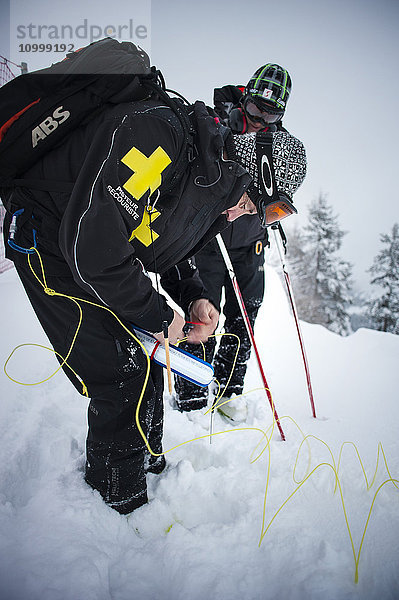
248, 326
295, 313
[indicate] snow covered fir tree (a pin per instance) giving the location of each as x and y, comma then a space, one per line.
321, 279
384, 310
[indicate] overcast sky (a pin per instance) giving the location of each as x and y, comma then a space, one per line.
342, 56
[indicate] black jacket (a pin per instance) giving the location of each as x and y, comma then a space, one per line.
246, 230
225, 99
104, 233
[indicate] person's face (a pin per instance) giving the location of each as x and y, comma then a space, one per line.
254, 127
244, 207
257, 118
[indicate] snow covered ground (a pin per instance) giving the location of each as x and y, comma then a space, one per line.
199, 536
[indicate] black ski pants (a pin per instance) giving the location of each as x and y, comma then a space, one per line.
113, 367
249, 269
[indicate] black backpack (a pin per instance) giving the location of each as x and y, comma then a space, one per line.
38, 109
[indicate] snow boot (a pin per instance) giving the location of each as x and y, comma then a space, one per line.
154, 464
188, 404
234, 409
117, 472
189, 396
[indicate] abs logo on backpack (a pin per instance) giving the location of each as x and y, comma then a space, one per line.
49, 125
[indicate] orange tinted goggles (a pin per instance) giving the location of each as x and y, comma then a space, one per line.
276, 211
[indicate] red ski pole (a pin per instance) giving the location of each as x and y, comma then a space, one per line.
248, 326
295, 313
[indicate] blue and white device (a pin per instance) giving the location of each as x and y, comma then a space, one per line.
182, 363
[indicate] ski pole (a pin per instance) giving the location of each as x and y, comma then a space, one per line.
167, 354
248, 326
294, 310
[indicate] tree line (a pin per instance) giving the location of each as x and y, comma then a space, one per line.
322, 279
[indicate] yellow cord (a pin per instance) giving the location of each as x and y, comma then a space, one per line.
84, 391
265, 434
51, 292
334, 469
216, 404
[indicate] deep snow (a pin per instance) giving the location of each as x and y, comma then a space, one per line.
199, 535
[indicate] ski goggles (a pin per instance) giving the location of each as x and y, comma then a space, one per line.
272, 205
275, 211
260, 115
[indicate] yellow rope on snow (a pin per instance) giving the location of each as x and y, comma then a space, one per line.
299, 483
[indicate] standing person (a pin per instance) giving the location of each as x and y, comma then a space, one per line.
128, 212
259, 106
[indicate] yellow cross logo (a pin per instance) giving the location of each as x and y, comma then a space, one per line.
147, 170
143, 232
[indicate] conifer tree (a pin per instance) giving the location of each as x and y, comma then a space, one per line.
297, 262
384, 310
321, 278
